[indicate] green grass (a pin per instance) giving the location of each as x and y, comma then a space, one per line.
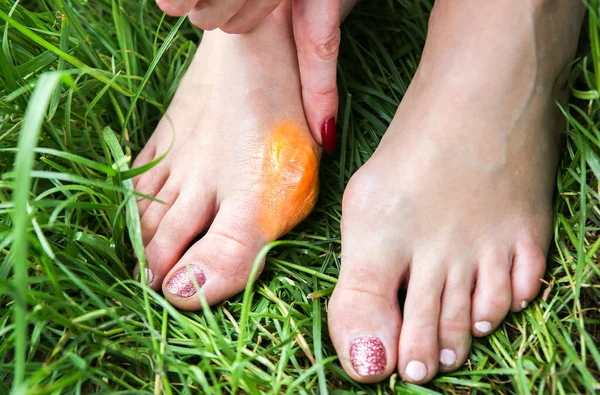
82, 85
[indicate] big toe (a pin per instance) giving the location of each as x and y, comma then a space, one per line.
219, 264
364, 323
364, 314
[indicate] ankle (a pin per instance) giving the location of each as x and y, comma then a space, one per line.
531, 40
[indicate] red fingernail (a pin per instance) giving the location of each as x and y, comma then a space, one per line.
328, 135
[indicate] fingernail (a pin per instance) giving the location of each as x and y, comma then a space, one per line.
415, 371
328, 135
149, 275
367, 354
181, 283
483, 326
447, 357
524, 303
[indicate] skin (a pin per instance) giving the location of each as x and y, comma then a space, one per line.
316, 34
243, 166
454, 206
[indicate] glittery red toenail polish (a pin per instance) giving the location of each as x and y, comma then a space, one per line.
367, 354
328, 135
181, 283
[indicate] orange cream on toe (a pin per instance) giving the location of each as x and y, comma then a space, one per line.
291, 172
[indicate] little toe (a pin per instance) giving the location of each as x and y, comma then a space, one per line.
455, 319
419, 351
492, 296
528, 269
220, 262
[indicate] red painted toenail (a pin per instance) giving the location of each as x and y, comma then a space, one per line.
367, 354
181, 284
328, 135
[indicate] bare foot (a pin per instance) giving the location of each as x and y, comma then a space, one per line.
243, 166
456, 203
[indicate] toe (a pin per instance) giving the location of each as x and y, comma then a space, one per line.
528, 270
189, 216
419, 351
144, 157
150, 184
155, 212
363, 314
492, 296
220, 262
364, 321
455, 319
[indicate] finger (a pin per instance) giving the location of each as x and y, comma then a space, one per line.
317, 33
177, 7
250, 15
212, 14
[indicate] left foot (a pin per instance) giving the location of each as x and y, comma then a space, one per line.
456, 203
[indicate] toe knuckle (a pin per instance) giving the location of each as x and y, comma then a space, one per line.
354, 297
150, 224
233, 253
359, 295
455, 324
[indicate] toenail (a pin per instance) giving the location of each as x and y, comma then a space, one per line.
415, 371
149, 275
483, 326
181, 283
447, 357
367, 354
524, 303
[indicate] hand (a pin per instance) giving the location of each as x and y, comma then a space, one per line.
231, 16
317, 34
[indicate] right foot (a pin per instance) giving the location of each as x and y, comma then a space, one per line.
243, 166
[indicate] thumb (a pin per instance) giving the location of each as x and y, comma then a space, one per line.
317, 34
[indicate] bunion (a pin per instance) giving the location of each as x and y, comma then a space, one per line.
291, 178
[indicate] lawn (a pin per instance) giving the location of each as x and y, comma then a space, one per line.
83, 84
